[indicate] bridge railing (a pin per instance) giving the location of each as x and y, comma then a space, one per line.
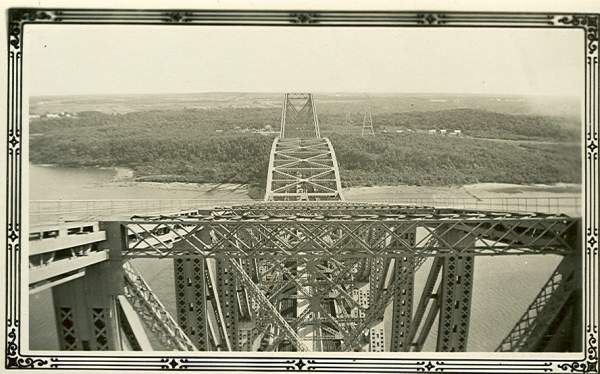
570, 205
41, 211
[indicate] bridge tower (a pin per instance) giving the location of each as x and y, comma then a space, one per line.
302, 165
299, 116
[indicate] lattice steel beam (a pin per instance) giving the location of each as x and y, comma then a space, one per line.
288, 254
265, 304
277, 237
529, 332
153, 312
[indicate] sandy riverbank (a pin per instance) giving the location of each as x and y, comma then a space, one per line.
479, 190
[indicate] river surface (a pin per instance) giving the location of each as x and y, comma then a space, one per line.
503, 286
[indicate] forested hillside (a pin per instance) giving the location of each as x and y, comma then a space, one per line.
476, 123
210, 146
433, 160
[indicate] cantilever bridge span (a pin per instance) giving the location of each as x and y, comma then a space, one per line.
303, 270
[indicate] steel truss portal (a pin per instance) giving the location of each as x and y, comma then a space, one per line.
302, 166
320, 276
326, 235
303, 169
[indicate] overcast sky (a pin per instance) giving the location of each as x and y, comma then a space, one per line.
69, 59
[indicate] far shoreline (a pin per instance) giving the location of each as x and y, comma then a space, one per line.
127, 177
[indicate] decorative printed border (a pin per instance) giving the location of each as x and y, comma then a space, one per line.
18, 18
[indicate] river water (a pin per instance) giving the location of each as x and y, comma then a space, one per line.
503, 285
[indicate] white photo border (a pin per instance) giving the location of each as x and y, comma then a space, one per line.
19, 18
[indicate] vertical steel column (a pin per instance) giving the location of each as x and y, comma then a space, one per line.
190, 276
377, 267
246, 320
402, 304
86, 308
227, 288
377, 277
456, 292
190, 296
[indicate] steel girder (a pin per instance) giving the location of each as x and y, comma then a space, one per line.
419, 329
302, 236
330, 208
191, 297
319, 259
311, 258
303, 169
455, 298
447, 296
402, 306
153, 313
316, 258
553, 306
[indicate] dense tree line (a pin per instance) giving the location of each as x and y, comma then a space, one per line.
476, 123
185, 146
432, 160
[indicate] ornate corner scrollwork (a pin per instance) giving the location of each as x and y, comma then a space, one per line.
578, 367
590, 363
13, 359
590, 22
16, 19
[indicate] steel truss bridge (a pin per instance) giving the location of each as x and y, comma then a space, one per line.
303, 270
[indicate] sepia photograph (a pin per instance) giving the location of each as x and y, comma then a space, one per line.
241, 183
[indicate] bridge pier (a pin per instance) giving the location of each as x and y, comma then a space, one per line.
86, 307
